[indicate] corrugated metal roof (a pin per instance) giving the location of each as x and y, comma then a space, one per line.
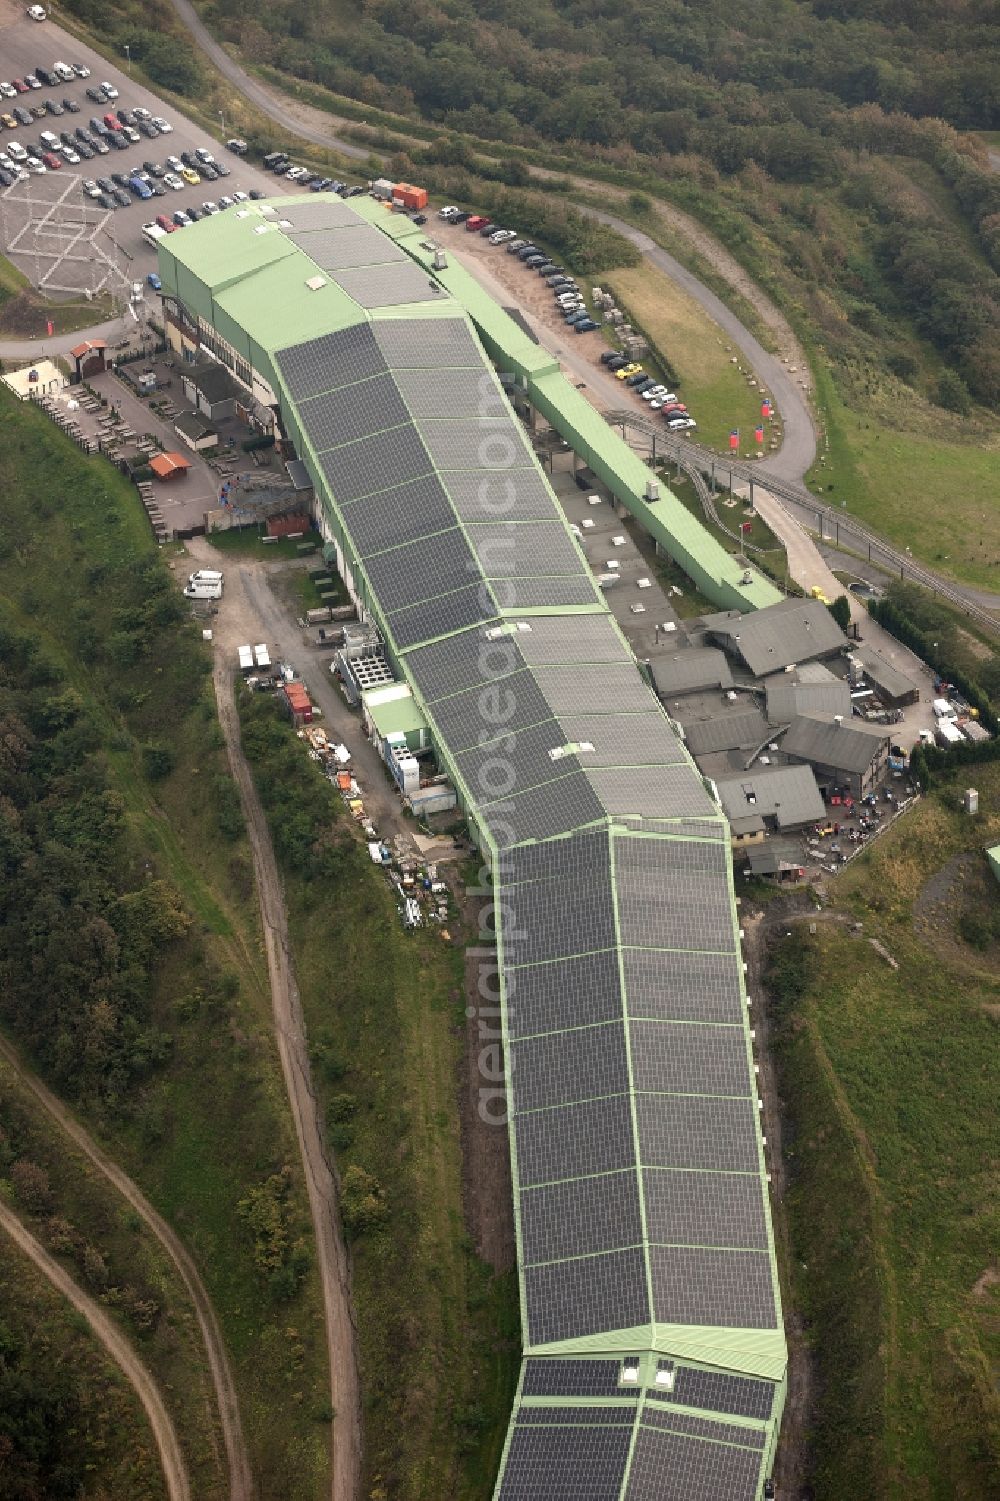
687, 671
787, 794
885, 674
793, 630
848, 746
744, 729
790, 694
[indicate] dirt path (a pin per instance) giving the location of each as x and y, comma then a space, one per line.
241, 1483
320, 1176
117, 1346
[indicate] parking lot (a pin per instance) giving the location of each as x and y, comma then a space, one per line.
49, 229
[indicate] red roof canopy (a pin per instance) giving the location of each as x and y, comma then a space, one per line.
166, 464
85, 348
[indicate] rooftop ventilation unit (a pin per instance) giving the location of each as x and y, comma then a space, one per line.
665, 1380
652, 490
315, 282
630, 1372
440, 262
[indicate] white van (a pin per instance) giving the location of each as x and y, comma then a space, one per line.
65, 72
205, 576
203, 591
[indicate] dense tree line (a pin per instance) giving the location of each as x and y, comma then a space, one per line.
81, 930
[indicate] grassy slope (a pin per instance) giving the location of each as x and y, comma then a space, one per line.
711, 386
890, 1078
437, 1332
109, 1433
214, 1121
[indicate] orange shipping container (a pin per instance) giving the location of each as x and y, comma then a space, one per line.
409, 196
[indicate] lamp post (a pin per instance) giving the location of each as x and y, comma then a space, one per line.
128, 54
222, 122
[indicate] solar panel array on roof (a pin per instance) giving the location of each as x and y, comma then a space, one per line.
722, 1433
688, 1131
560, 1068
579, 639
593, 1136
532, 547
513, 704
537, 813
449, 612
493, 495
469, 443
721, 1391
426, 343
705, 1209
334, 249
328, 361
688, 1469
320, 213
403, 514
726, 1289
554, 1464
351, 412
686, 1058
671, 985
506, 766
369, 465
581, 1215
385, 286
666, 792
635, 739
576, 992
573, 1378
455, 393
421, 570
588, 1295
548, 593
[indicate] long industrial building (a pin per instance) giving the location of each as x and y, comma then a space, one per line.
654, 1354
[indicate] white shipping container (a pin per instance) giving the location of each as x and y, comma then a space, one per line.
943, 709
948, 732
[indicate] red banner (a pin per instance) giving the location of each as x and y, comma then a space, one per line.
734, 439
50, 326
765, 409
759, 434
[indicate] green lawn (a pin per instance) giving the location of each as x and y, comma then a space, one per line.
934, 492
889, 1079
249, 542
212, 1121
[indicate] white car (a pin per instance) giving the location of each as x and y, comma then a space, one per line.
8, 90
90, 188
32, 81
63, 71
175, 164
208, 207
204, 155
69, 155
163, 126
110, 92
141, 114
34, 165
131, 134
16, 152
172, 181
678, 423
449, 212
81, 70
36, 12
240, 197
502, 236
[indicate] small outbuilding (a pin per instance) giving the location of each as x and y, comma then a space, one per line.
211, 390
842, 753
169, 465
780, 798
195, 431
89, 358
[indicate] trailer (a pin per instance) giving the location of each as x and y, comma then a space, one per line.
262, 656
948, 733
246, 658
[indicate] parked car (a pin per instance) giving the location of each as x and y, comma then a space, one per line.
585, 326
121, 197
21, 115
181, 218
7, 90
96, 94
203, 154
81, 70
32, 81
53, 107
110, 92
71, 107
190, 176
194, 214
165, 222
8, 122
173, 182
163, 126
90, 188
237, 146
106, 201
70, 155
52, 161
209, 207
140, 189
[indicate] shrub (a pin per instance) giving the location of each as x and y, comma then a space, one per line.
362, 1201
157, 762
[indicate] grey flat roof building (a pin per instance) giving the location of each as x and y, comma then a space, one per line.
744, 730
845, 746
690, 671
893, 686
768, 640
812, 688
782, 797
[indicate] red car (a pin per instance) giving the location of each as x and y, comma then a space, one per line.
51, 161
21, 86
476, 221
166, 223
113, 122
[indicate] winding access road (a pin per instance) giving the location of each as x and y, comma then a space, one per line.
241, 1483
174, 1469
290, 1032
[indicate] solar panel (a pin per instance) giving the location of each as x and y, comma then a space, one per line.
575, 992
551, 1415
545, 593
332, 359
509, 764
699, 914
321, 213
594, 1136
690, 1132
586, 1296
664, 792
469, 443
501, 495
513, 704
705, 1209
562, 1067
579, 639
581, 1464
688, 1469
674, 986
581, 1216
373, 464
387, 286
718, 1391
421, 570
463, 662
553, 1377
352, 412
625, 739
427, 343
507, 550
358, 244
576, 858
614, 690
405, 513
723, 1289
682, 1422
436, 617
452, 393
538, 813
682, 1058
